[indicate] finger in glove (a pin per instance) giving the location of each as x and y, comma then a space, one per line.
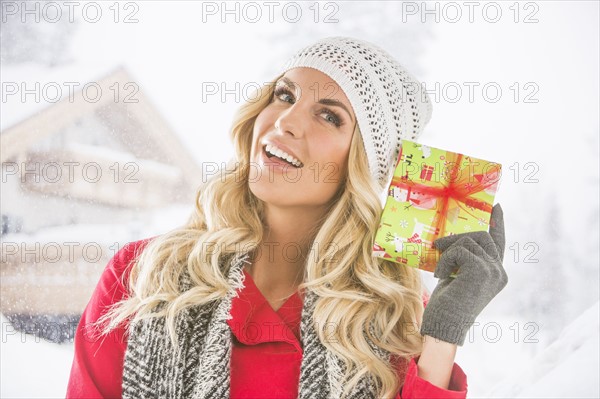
466, 255
497, 229
492, 242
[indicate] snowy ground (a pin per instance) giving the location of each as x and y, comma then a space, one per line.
567, 368
31, 367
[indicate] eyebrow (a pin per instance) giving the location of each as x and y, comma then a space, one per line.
324, 101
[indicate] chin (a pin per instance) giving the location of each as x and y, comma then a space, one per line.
270, 193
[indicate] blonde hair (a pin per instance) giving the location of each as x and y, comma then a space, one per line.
354, 288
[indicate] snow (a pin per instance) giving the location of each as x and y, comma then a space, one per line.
100, 233
42, 92
559, 54
152, 223
111, 155
100, 152
24, 357
568, 368
31, 367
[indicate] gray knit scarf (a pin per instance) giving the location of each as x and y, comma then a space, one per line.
202, 370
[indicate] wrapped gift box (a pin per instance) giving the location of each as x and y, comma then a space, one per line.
434, 193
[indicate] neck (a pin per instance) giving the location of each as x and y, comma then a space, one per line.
280, 260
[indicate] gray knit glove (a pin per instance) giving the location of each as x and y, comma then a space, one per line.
456, 302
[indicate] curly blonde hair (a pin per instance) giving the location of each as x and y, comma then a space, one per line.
355, 290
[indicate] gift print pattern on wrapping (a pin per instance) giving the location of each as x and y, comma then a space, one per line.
433, 193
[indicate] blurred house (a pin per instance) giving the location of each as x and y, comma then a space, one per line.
81, 176
96, 160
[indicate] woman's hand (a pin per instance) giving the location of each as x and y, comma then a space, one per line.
456, 302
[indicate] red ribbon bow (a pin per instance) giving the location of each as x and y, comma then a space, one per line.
458, 189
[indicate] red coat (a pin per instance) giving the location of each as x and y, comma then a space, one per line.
266, 353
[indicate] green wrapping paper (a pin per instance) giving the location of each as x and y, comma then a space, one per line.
434, 193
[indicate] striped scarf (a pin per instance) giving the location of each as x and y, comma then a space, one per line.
201, 369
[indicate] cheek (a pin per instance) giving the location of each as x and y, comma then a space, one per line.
266, 117
258, 123
333, 153
258, 130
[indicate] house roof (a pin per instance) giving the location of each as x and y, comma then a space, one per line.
26, 122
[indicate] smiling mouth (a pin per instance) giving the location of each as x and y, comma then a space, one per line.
269, 155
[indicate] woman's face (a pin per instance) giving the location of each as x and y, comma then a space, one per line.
310, 119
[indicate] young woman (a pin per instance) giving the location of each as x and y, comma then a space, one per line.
270, 290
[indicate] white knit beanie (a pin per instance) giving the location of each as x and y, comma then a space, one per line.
388, 101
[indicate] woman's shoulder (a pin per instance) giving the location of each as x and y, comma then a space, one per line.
129, 252
119, 266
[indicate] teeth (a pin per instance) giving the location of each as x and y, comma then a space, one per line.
283, 155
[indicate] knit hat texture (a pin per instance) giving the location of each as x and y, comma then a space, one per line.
388, 101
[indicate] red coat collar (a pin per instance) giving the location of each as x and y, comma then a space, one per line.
254, 321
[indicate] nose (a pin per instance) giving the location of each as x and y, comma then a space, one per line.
291, 121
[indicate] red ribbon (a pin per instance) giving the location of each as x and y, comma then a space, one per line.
459, 189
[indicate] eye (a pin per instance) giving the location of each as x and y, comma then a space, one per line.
282, 91
332, 117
